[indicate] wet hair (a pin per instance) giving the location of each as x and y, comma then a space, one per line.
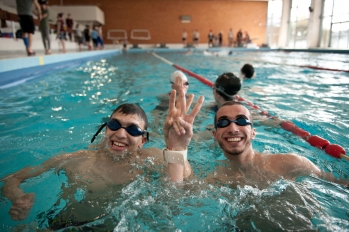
132, 109
248, 70
231, 103
227, 85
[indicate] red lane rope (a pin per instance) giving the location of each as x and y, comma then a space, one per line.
308, 66
333, 150
190, 73
319, 68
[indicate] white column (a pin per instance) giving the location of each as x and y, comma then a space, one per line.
314, 29
285, 18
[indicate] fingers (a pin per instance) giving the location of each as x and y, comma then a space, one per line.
172, 101
185, 126
189, 101
178, 128
197, 107
20, 208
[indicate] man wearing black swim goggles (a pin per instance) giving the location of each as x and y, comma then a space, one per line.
124, 130
233, 129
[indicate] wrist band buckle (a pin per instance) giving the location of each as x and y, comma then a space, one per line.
175, 157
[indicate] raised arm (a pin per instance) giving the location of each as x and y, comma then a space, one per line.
178, 131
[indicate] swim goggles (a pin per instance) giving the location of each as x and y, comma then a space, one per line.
224, 122
185, 83
115, 125
221, 90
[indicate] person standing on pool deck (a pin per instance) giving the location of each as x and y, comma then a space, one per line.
70, 23
25, 14
234, 133
44, 28
61, 30
184, 38
111, 163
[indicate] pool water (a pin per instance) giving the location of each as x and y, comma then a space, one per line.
59, 112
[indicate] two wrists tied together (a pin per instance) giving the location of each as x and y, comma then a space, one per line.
175, 157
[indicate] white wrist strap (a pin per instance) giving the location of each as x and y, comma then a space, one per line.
175, 157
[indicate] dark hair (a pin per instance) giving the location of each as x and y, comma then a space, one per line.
231, 103
227, 85
248, 70
60, 14
132, 109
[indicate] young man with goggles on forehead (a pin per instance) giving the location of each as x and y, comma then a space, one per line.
234, 133
100, 170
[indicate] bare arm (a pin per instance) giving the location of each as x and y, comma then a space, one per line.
37, 6
178, 129
21, 201
295, 165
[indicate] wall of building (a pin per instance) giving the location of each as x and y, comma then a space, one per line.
162, 17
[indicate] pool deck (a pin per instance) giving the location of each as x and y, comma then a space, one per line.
17, 67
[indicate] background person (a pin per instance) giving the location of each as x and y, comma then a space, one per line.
184, 38
44, 28
247, 38
70, 24
100, 36
79, 37
26, 21
95, 36
230, 37
226, 86
61, 30
239, 38
160, 110
220, 38
87, 36
247, 71
210, 38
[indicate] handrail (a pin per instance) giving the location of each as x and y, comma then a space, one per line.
147, 37
124, 32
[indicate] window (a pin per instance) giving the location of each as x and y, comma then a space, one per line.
299, 21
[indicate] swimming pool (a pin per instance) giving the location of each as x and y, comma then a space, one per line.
59, 112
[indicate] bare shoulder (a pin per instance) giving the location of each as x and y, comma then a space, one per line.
290, 163
63, 158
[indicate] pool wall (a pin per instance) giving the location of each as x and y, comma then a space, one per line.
16, 70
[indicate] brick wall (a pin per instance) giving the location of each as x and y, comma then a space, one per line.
161, 17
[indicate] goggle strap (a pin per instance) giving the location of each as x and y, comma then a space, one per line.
146, 134
99, 130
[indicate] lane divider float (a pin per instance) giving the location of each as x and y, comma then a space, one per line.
333, 150
304, 66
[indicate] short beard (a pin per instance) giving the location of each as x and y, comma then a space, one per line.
124, 155
234, 152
